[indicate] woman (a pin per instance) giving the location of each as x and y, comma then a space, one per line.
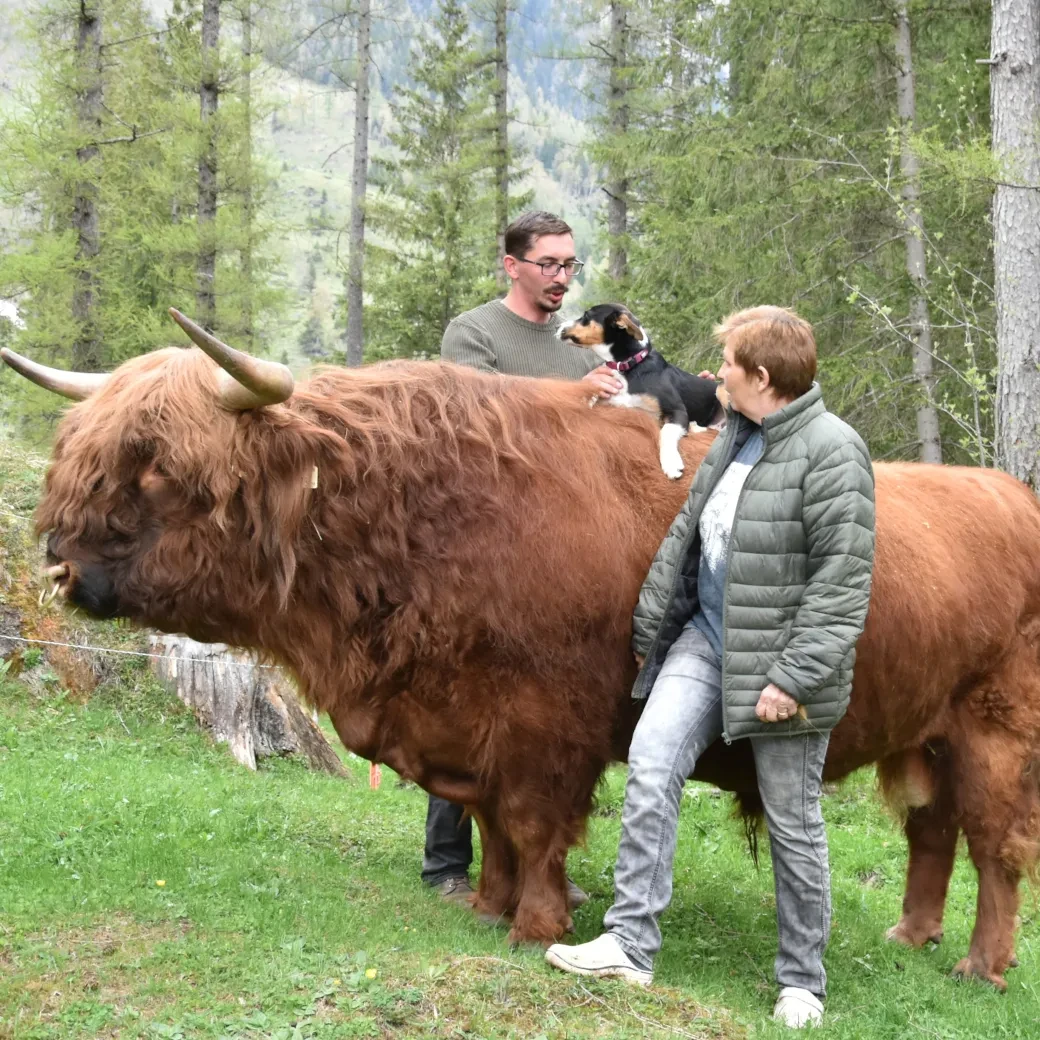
746, 627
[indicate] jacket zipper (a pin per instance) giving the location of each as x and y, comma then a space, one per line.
687, 542
725, 591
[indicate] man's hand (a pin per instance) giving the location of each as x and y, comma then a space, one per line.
775, 706
707, 375
604, 382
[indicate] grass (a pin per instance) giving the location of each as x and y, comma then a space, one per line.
150, 887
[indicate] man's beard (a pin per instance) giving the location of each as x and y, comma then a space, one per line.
549, 305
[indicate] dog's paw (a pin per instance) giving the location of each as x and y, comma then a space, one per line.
673, 468
671, 460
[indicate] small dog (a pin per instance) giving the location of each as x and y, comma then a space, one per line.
614, 334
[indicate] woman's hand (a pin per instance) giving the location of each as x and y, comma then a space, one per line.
775, 706
640, 659
707, 375
604, 381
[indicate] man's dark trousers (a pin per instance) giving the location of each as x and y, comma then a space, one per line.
449, 842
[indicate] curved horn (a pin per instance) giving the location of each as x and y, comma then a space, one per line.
247, 382
74, 385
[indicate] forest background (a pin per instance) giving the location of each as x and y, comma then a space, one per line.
327, 180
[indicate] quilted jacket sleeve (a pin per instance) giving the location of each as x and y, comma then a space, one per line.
838, 514
653, 596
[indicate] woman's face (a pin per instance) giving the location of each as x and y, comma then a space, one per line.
746, 392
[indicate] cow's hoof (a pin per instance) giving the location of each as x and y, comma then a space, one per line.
516, 943
543, 936
908, 935
494, 920
966, 969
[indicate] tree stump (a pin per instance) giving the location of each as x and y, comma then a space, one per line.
249, 706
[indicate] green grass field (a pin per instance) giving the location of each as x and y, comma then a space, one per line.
151, 887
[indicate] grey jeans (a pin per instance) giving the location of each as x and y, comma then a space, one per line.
683, 715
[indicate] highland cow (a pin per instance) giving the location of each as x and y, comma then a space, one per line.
448, 563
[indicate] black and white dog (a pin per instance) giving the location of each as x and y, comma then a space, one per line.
614, 334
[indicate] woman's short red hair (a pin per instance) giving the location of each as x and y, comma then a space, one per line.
775, 339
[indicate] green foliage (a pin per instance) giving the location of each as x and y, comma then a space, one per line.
765, 166
146, 180
434, 255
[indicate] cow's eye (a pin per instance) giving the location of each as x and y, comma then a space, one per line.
154, 478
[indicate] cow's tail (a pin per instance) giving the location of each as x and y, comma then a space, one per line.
748, 806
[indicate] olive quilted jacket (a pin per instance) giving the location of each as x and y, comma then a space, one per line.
801, 554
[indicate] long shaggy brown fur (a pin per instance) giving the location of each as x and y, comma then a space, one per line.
457, 593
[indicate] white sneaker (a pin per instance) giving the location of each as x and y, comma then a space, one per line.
798, 1008
602, 957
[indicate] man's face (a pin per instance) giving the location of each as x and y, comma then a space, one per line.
544, 292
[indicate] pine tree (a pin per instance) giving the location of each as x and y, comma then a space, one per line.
768, 170
1015, 58
436, 211
139, 252
359, 188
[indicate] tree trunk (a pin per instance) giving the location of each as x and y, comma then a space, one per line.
249, 707
617, 115
930, 446
247, 177
501, 135
87, 347
358, 187
209, 94
1015, 106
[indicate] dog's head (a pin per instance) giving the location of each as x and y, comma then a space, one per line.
609, 329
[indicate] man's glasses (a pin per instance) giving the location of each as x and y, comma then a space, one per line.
551, 269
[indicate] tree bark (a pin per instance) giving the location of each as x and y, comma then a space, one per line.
1015, 107
87, 347
245, 705
930, 445
501, 135
247, 177
358, 187
617, 115
209, 98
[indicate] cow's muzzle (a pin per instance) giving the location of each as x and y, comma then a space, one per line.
84, 585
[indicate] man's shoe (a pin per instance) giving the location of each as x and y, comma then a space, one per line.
456, 890
798, 1008
602, 958
576, 896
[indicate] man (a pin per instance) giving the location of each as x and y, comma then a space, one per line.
514, 336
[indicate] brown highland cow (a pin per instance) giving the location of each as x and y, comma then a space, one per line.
448, 563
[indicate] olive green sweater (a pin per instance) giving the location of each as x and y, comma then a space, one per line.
494, 339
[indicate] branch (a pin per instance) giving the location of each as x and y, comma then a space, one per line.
135, 136
139, 36
335, 151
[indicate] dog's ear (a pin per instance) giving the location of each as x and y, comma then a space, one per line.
625, 321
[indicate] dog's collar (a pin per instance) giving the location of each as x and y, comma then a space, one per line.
624, 366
